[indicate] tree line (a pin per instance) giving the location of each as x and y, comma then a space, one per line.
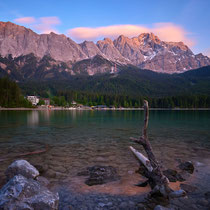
64, 98
10, 95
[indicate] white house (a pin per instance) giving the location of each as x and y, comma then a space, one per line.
33, 99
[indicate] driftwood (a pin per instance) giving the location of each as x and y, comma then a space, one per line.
35, 152
160, 183
45, 149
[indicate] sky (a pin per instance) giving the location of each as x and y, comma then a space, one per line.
170, 20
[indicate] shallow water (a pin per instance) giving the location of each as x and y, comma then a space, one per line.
78, 139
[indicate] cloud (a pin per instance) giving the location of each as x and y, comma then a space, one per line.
165, 31
41, 25
47, 24
25, 20
173, 33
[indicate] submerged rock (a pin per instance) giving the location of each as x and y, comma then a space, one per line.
100, 175
142, 184
188, 188
23, 193
173, 175
187, 166
22, 167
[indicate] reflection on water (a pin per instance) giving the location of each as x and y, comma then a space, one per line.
78, 139
33, 118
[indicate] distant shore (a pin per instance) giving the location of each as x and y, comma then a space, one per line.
92, 109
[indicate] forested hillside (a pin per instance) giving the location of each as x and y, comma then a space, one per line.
10, 95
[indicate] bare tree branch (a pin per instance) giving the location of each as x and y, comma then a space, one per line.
156, 175
138, 140
142, 159
146, 119
160, 183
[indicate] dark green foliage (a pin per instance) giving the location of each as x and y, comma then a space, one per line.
130, 82
41, 102
10, 95
65, 97
128, 89
58, 101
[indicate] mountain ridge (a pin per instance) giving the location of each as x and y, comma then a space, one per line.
145, 51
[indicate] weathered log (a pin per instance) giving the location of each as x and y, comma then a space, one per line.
142, 159
46, 148
35, 152
160, 183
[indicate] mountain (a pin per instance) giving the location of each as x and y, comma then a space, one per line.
149, 52
146, 51
42, 74
18, 40
30, 67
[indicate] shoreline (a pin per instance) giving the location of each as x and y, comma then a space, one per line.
100, 109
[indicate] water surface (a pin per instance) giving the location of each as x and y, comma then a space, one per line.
78, 139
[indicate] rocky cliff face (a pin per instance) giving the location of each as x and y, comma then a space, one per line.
30, 67
146, 51
90, 49
18, 40
107, 47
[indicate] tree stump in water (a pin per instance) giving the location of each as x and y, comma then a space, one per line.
157, 180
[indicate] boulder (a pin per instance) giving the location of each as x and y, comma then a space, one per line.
23, 193
187, 166
159, 207
21, 167
101, 175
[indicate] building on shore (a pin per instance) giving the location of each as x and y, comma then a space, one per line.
33, 99
46, 101
74, 103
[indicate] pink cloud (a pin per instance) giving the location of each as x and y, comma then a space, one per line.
165, 31
85, 33
25, 20
50, 20
42, 25
47, 24
172, 33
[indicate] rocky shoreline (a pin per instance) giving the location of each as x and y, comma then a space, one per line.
26, 189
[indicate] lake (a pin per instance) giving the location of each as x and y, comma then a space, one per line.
77, 139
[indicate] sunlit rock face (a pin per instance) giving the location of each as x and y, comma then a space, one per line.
146, 51
110, 51
18, 40
90, 49
149, 52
